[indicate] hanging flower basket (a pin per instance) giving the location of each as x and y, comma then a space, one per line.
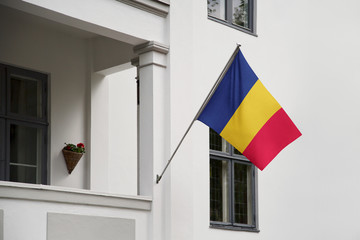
72, 155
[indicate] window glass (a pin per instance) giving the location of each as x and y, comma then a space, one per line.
25, 174
2, 144
217, 143
242, 194
219, 191
236, 152
2, 89
25, 96
216, 8
25, 153
241, 13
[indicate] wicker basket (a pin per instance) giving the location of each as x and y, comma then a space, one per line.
71, 159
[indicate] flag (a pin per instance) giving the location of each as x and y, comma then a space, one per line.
246, 115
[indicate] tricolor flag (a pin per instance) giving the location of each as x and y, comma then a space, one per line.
245, 114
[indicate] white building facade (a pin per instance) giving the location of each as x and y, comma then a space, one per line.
127, 77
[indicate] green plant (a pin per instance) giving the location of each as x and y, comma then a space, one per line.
79, 148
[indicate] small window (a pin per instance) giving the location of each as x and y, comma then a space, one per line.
23, 125
239, 14
232, 187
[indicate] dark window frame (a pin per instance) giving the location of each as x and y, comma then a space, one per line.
232, 158
229, 13
7, 118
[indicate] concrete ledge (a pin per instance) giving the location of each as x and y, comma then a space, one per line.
44, 193
159, 8
151, 46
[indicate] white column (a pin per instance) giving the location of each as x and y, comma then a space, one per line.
153, 112
154, 132
99, 125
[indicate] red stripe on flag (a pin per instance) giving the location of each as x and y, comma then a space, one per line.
278, 132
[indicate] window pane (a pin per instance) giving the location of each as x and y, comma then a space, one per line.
2, 89
25, 96
237, 152
218, 143
23, 174
242, 194
241, 13
25, 153
219, 191
216, 8
2, 148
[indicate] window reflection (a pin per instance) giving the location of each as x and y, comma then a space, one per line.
25, 96
25, 153
242, 194
218, 143
216, 8
219, 191
241, 13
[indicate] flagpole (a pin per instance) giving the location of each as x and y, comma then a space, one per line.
207, 99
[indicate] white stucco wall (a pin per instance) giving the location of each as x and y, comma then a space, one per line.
306, 55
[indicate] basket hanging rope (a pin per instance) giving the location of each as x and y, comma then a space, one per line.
71, 159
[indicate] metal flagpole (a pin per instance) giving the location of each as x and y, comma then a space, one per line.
207, 99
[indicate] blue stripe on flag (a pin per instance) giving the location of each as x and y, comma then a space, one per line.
234, 87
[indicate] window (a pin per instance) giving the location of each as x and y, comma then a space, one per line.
232, 187
23, 125
239, 14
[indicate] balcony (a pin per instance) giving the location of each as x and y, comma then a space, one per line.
92, 96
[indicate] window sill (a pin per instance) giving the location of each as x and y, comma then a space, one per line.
235, 228
44, 193
233, 26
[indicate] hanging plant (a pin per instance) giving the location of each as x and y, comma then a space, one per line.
72, 154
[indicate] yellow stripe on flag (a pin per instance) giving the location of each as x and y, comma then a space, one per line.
255, 110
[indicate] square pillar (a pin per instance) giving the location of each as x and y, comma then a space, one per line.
153, 113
